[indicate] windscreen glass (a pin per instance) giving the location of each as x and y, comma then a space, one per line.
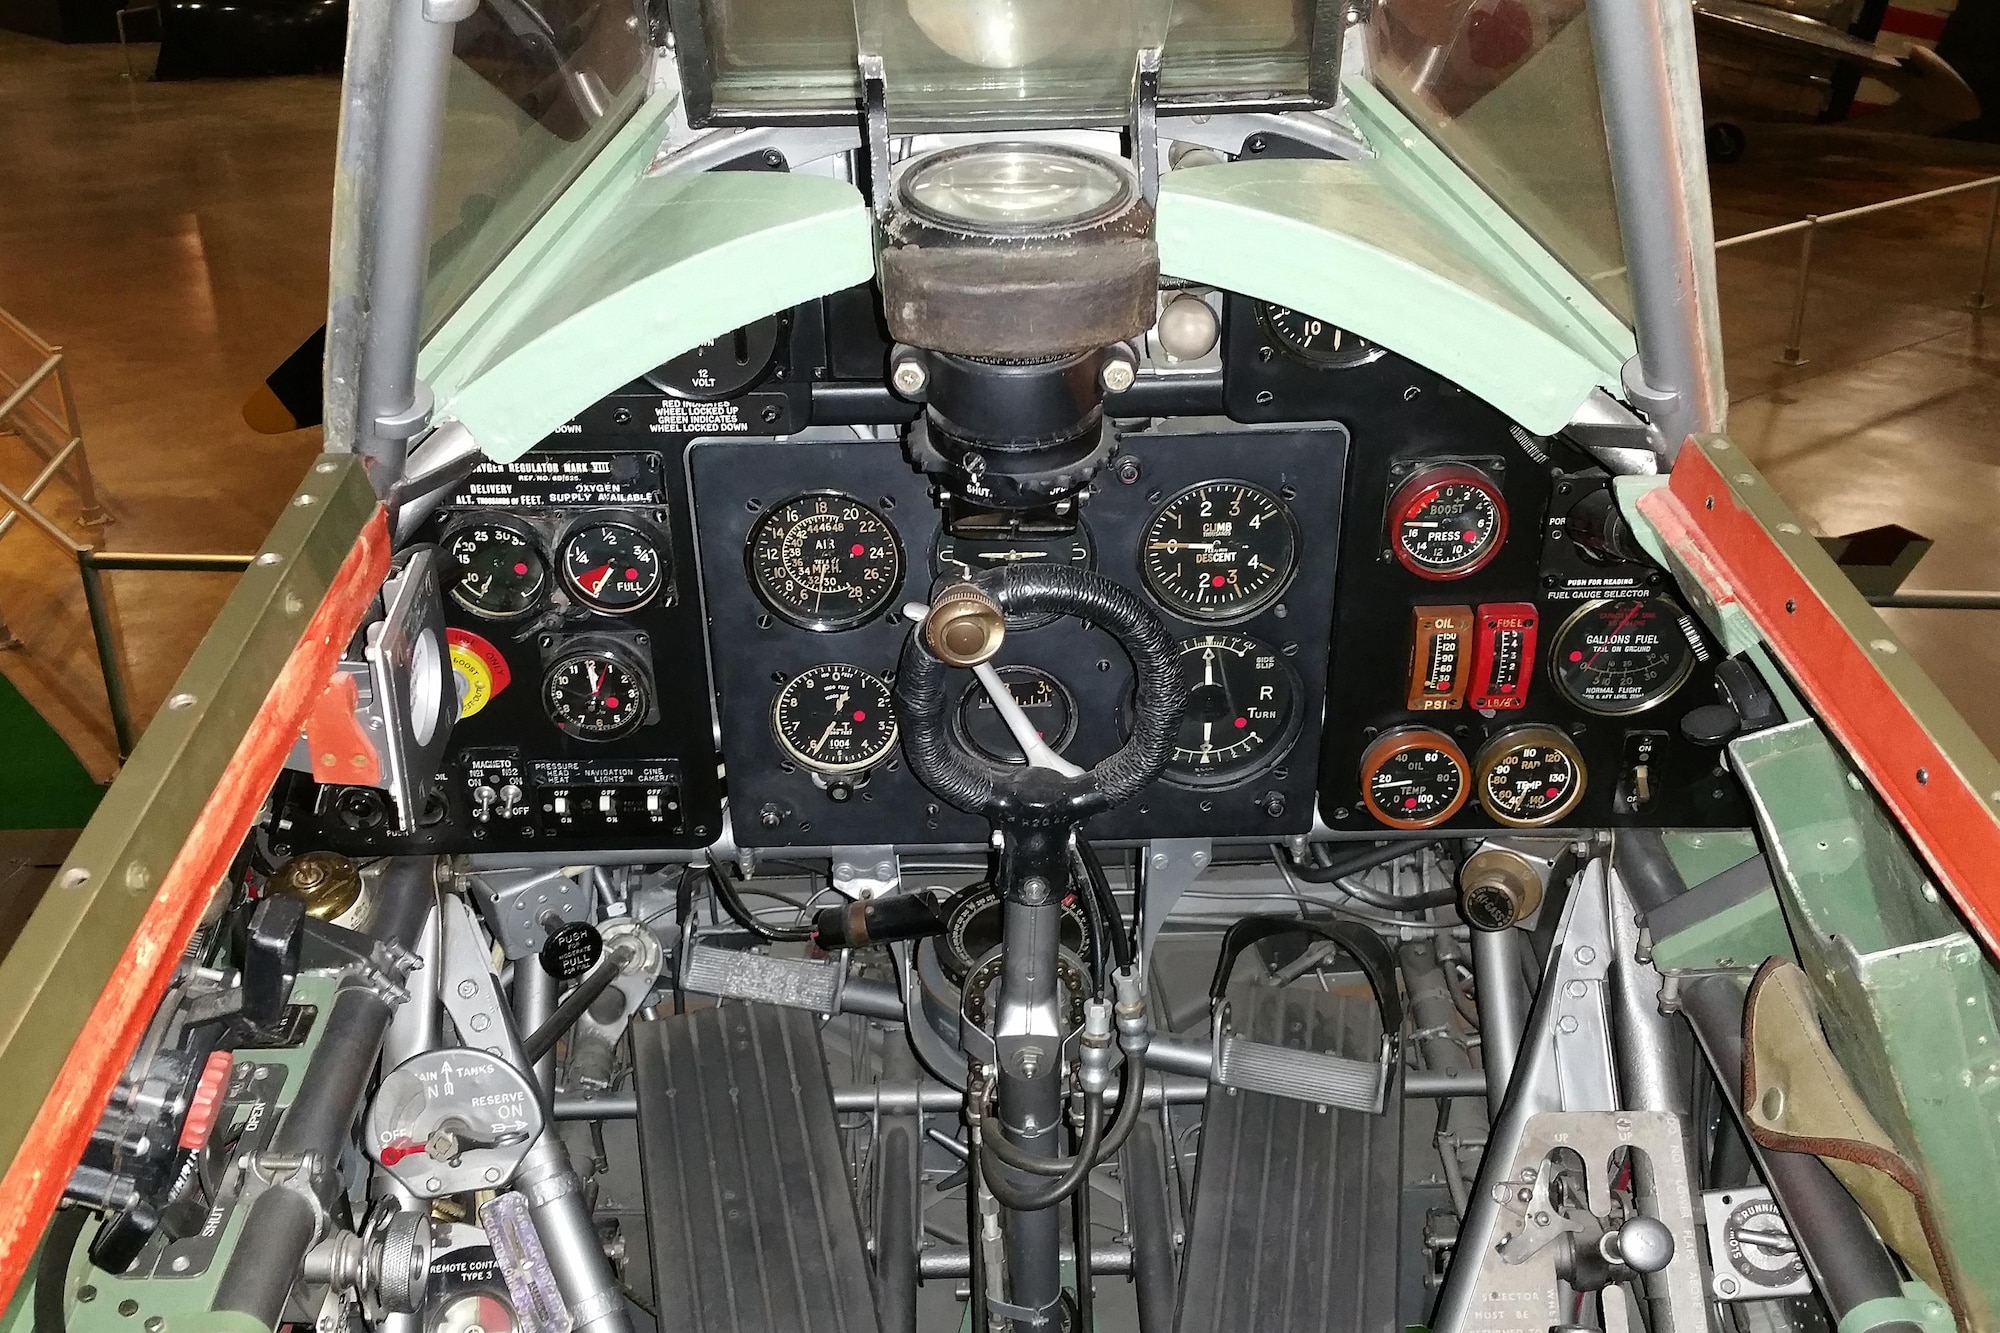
1509, 89
536, 88
1018, 62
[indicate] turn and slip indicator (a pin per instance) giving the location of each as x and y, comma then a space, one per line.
1440, 651
1503, 655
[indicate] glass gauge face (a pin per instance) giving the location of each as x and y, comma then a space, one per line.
1446, 522
1414, 778
498, 572
1314, 340
722, 367
476, 1312
957, 559
1242, 711
594, 695
1047, 704
825, 561
1529, 776
612, 567
1621, 655
972, 920
835, 718
1219, 551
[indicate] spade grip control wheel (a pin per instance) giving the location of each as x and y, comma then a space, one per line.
1038, 797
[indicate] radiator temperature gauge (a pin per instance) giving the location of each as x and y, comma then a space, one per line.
1414, 778
1529, 776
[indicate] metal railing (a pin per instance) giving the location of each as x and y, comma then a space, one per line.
34, 422
1808, 227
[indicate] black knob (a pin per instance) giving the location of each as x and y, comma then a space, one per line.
1711, 725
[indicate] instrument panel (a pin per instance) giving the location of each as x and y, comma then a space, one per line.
1385, 607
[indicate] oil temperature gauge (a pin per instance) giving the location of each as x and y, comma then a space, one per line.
497, 571
1529, 776
612, 566
596, 693
1447, 521
1242, 710
834, 719
1414, 778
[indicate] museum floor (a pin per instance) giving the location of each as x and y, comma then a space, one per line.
172, 237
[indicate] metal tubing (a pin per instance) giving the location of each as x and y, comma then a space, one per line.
1030, 1094
1659, 181
1979, 299
898, 1214
406, 150
168, 562
1862, 210
48, 527
1926, 600
534, 1004
40, 483
1177, 1055
282, 1222
413, 1029
945, 1262
29, 385
569, 1237
92, 513
1848, 1264
107, 657
1642, 1037
1143, 1169
1792, 355
1503, 1007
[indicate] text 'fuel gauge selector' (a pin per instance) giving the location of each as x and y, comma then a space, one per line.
1219, 551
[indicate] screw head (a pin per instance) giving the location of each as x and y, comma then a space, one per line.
468, 989
909, 377
1118, 374
1568, 1024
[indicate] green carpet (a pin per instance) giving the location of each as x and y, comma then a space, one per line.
41, 783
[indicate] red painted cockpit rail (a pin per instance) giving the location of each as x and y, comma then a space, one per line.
1743, 562
33, 1185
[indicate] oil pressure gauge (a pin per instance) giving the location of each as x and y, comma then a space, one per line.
1414, 778
834, 719
1529, 776
1219, 551
1447, 521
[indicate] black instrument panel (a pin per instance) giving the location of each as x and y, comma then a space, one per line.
1209, 527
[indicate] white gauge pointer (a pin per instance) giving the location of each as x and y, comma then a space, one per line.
1032, 745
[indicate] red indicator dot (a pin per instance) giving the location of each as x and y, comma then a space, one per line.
520, 567
1409, 802
611, 704
1471, 536
632, 574
1216, 580
857, 549
1553, 792
1242, 722
860, 715
1576, 655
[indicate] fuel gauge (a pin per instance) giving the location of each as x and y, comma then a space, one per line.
612, 566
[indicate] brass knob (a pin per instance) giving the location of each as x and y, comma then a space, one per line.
1497, 888
328, 883
965, 626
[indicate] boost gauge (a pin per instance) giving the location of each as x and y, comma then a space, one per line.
824, 561
834, 719
1414, 778
1621, 655
1219, 551
498, 573
596, 693
1242, 710
1447, 521
1529, 776
612, 566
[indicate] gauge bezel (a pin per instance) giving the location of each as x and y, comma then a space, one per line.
1272, 754
1659, 695
940, 578
1267, 320
961, 730
1242, 612
821, 766
823, 624
1503, 743
626, 660
1400, 740
521, 528
638, 524
1122, 196
1411, 493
